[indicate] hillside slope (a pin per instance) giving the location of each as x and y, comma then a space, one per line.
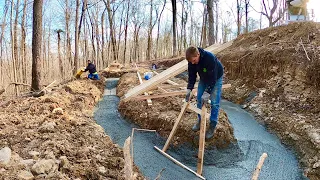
275, 73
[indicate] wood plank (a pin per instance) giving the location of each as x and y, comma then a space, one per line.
167, 94
168, 81
163, 76
163, 90
173, 86
259, 165
173, 93
196, 110
127, 159
175, 127
202, 135
172, 71
178, 163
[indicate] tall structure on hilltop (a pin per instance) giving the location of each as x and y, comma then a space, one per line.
297, 11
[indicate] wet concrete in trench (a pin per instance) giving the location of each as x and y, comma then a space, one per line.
238, 161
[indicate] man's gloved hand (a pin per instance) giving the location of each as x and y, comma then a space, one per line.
188, 95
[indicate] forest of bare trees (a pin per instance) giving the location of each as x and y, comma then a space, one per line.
41, 43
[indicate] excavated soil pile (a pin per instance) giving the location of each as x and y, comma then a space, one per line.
163, 113
163, 63
55, 137
275, 73
117, 73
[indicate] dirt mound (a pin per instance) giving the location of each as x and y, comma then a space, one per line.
275, 73
163, 113
116, 73
265, 53
55, 137
163, 63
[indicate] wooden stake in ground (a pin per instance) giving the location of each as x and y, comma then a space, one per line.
127, 160
259, 166
145, 93
202, 139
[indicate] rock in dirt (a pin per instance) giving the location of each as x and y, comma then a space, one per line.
27, 162
5, 155
43, 166
34, 154
25, 175
57, 111
47, 127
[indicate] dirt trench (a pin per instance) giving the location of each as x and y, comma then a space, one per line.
55, 136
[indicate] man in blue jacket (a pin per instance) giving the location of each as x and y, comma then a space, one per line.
210, 71
92, 71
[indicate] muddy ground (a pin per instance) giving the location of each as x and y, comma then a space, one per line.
55, 136
274, 74
163, 113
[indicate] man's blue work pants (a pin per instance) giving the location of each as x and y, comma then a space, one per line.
215, 96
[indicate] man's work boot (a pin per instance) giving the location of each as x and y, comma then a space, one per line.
210, 131
196, 127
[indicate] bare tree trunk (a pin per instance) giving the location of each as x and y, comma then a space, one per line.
103, 38
113, 40
67, 30
3, 26
48, 45
204, 29
174, 27
36, 44
246, 9
158, 32
136, 42
15, 29
149, 48
59, 54
92, 37
76, 39
82, 21
96, 23
86, 45
192, 25
13, 48
126, 32
210, 22
23, 43
120, 33
217, 21
238, 17
182, 27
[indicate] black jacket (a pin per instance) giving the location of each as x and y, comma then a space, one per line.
209, 69
91, 68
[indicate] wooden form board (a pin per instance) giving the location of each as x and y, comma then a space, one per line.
163, 76
168, 81
167, 94
179, 163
